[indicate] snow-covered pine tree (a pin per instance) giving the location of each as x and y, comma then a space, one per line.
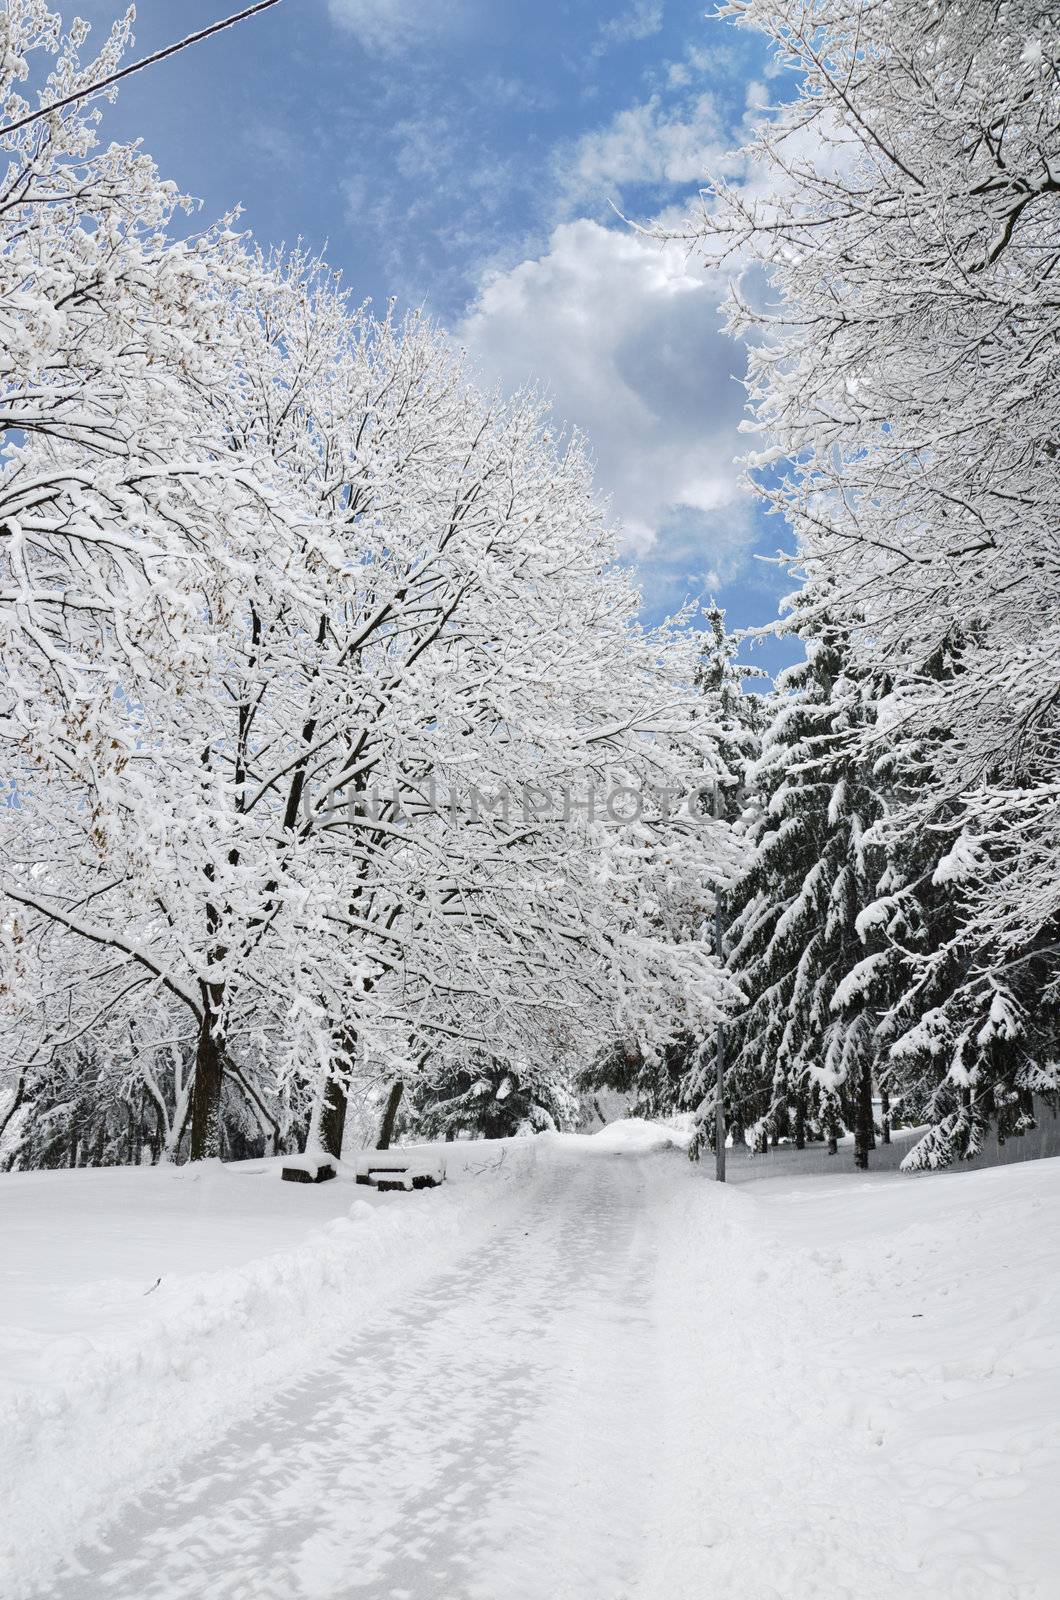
740, 715
802, 1053
482, 1097
722, 677
655, 1084
971, 1035
904, 207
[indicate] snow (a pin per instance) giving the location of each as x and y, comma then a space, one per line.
845, 1377
860, 979
410, 1163
109, 1376
965, 860
558, 1377
635, 1136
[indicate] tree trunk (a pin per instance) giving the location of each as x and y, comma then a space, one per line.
206, 1095
830, 1121
136, 1133
20, 1089
178, 1127
885, 1116
333, 1117
864, 1136
386, 1129
336, 1094
800, 1122
158, 1137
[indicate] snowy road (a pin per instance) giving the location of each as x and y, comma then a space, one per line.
631, 1385
477, 1444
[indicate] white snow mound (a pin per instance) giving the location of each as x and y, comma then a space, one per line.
635, 1136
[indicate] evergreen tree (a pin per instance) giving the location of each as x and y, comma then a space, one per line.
853, 934
971, 1035
741, 717
803, 1051
654, 1082
903, 364
486, 1098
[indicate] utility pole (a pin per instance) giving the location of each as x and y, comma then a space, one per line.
719, 1044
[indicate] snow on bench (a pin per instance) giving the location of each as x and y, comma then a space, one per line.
400, 1169
307, 1169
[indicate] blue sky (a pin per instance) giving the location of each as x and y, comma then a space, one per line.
466, 156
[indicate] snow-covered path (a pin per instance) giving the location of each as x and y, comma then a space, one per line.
476, 1443
632, 1385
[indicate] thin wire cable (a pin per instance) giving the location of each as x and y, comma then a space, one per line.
137, 66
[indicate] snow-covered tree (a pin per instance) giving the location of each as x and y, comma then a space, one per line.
803, 1051
669, 1071
652, 1082
115, 354
276, 781
489, 1099
722, 678
905, 207
970, 1037
125, 508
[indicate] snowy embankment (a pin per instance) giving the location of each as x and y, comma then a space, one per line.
143, 1311
866, 1386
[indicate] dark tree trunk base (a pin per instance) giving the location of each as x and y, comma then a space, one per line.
386, 1131
206, 1094
333, 1120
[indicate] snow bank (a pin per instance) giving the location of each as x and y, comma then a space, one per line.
634, 1136
865, 1385
120, 1359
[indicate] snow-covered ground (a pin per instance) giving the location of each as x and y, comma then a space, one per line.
578, 1370
109, 1377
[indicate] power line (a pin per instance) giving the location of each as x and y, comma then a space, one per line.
137, 66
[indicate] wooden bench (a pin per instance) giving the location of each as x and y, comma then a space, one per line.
306, 1169
400, 1169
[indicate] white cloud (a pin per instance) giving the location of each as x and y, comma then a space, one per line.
392, 26
640, 21
645, 144
625, 338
